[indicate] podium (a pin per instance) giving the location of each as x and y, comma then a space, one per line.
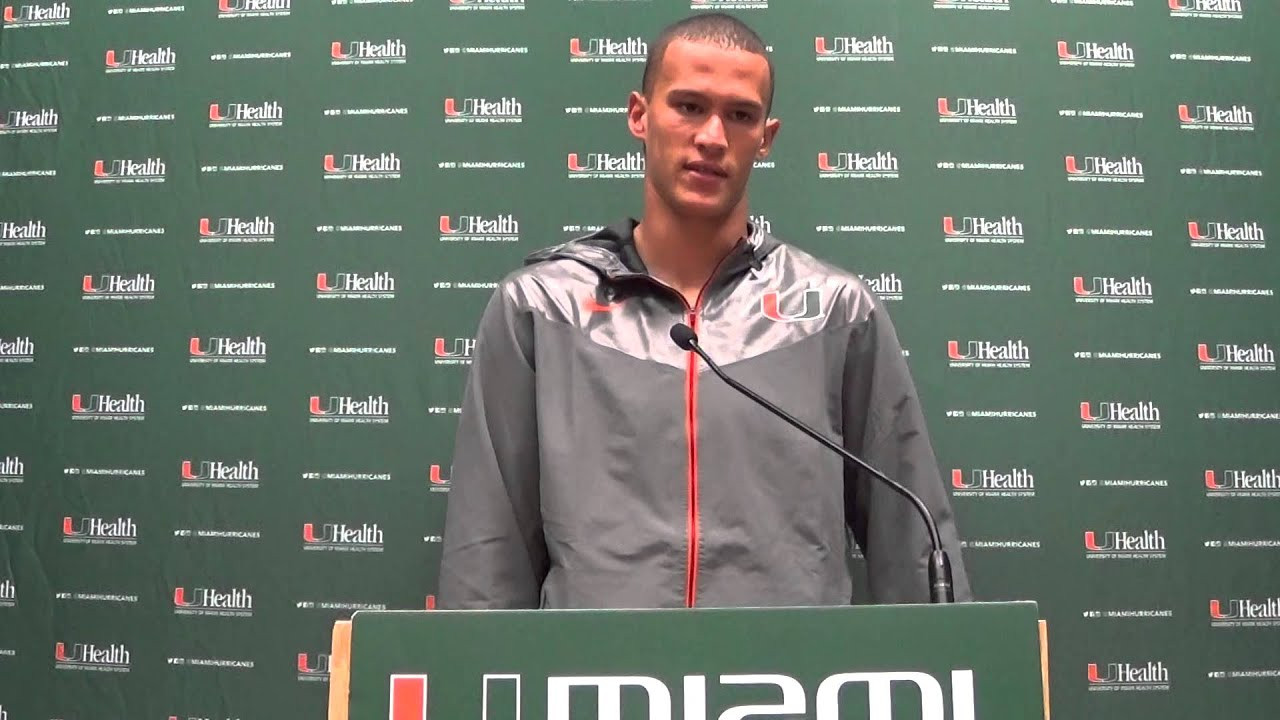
968, 661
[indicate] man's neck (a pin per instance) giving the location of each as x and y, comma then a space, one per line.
683, 253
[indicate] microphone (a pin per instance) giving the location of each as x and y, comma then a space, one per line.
940, 588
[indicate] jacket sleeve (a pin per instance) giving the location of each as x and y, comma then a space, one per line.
884, 425
494, 554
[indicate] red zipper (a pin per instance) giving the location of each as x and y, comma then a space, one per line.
691, 434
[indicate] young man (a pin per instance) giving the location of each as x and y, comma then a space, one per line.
596, 465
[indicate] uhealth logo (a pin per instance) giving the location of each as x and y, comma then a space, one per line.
477, 111
253, 8
355, 286
339, 537
1244, 612
986, 482
1005, 230
23, 233
478, 228
457, 351
99, 531
348, 409
364, 52
882, 164
486, 4
1113, 677
236, 602
728, 4
237, 114
1096, 168
228, 350
219, 474
21, 122
1229, 356
1124, 545
848, 48
994, 111
608, 50
888, 286
134, 60
1092, 54
8, 598
606, 166
88, 656
1119, 416
438, 480
118, 287
316, 670
258, 229
359, 166
761, 223
1264, 482
1134, 290
126, 172
1221, 234
1213, 117
11, 470
108, 407
971, 4
36, 15
1007, 355
1212, 9
19, 349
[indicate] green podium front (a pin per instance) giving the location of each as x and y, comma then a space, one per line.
974, 661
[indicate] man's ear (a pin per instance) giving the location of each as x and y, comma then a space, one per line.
638, 116
771, 128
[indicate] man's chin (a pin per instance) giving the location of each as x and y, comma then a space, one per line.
702, 206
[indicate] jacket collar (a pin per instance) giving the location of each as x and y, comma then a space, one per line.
611, 251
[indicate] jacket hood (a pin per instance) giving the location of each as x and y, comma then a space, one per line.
611, 251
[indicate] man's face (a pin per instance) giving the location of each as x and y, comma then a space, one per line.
703, 126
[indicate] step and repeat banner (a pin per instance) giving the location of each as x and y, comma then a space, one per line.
244, 245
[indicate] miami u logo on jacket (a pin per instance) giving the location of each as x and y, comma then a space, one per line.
809, 308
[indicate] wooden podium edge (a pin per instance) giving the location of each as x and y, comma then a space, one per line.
340, 670
1044, 664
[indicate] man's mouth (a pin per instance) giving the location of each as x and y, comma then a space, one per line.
707, 169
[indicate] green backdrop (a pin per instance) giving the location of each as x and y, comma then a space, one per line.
244, 245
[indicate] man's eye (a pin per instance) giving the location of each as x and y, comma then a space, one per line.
687, 107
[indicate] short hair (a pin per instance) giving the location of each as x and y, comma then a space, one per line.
716, 28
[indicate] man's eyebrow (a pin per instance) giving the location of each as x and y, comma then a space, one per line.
738, 101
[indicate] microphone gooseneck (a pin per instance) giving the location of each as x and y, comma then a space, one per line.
940, 585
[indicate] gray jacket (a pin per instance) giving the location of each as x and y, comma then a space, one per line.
597, 465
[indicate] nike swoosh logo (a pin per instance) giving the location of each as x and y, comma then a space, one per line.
594, 306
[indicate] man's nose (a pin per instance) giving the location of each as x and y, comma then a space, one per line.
711, 135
